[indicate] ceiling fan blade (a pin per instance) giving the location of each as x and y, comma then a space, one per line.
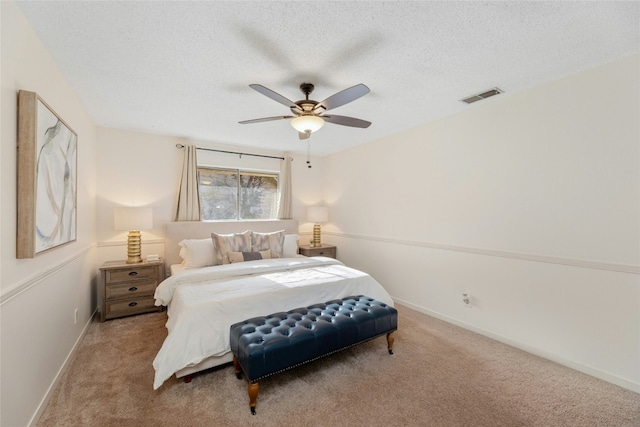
342, 97
275, 96
304, 135
347, 121
265, 119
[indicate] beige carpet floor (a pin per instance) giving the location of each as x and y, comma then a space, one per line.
440, 375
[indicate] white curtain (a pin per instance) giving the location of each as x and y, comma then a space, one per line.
188, 203
284, 208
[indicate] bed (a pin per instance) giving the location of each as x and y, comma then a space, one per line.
203, 301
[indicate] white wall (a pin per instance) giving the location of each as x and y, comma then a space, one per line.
139, 169
529, 202
38, 296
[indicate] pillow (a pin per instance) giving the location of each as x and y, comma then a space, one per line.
196, 253
290, 247
225, 243
248, 256
265, 241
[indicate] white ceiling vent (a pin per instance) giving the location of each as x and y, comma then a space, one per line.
480, 96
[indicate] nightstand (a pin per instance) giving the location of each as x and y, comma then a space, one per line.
322, 250
127, 289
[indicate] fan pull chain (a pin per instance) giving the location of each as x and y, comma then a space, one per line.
308, 154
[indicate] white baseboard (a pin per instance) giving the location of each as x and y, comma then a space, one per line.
45, 400
589, 370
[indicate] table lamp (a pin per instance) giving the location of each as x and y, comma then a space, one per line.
134, 220
317, 214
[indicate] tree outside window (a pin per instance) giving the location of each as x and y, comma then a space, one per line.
228, 194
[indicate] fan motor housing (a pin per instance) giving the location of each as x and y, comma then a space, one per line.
306, 106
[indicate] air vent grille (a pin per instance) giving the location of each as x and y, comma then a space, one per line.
483, 95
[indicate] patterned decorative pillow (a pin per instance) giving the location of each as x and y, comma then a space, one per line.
225, 243
248, 256
268, 241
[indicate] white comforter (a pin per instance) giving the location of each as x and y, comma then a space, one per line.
203, 303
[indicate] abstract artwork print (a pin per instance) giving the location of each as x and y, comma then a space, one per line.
47, 178
55, 181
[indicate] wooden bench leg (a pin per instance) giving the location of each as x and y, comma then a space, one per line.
390, 339
237, 367
253, 387
253, 396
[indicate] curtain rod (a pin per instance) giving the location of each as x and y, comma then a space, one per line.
233, 152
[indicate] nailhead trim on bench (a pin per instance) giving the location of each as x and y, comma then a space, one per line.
316, 358
264, 346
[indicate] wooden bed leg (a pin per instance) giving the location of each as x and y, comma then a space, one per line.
253, 396
390, 339
187, 379
237, 367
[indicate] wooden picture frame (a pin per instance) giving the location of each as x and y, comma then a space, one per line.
47, 178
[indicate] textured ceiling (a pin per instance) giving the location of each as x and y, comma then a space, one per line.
184, 68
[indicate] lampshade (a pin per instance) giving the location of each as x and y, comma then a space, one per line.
317, 214
133, 218
307, 124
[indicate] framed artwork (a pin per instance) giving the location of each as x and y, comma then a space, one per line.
47, 178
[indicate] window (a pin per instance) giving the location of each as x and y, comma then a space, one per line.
228, 194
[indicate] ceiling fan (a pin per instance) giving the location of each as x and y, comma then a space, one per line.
309, 114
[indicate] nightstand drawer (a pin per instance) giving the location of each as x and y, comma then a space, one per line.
131, 289
129, 306
328, 252
324, 250
133, 273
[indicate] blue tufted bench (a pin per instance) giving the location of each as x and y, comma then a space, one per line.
266, 345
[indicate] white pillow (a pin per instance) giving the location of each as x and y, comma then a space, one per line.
197, 253
290, 249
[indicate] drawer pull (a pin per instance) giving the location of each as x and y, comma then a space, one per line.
133, 304
133, 273
321, 253
133, 289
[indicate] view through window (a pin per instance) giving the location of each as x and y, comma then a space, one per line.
228, 194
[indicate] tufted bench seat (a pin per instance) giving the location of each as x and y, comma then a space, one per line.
263, 346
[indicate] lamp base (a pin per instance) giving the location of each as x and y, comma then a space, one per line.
134, 246
316, 236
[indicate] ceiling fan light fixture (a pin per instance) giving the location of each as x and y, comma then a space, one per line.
307, 124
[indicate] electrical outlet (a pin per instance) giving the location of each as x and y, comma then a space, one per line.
466, 300
75, 317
